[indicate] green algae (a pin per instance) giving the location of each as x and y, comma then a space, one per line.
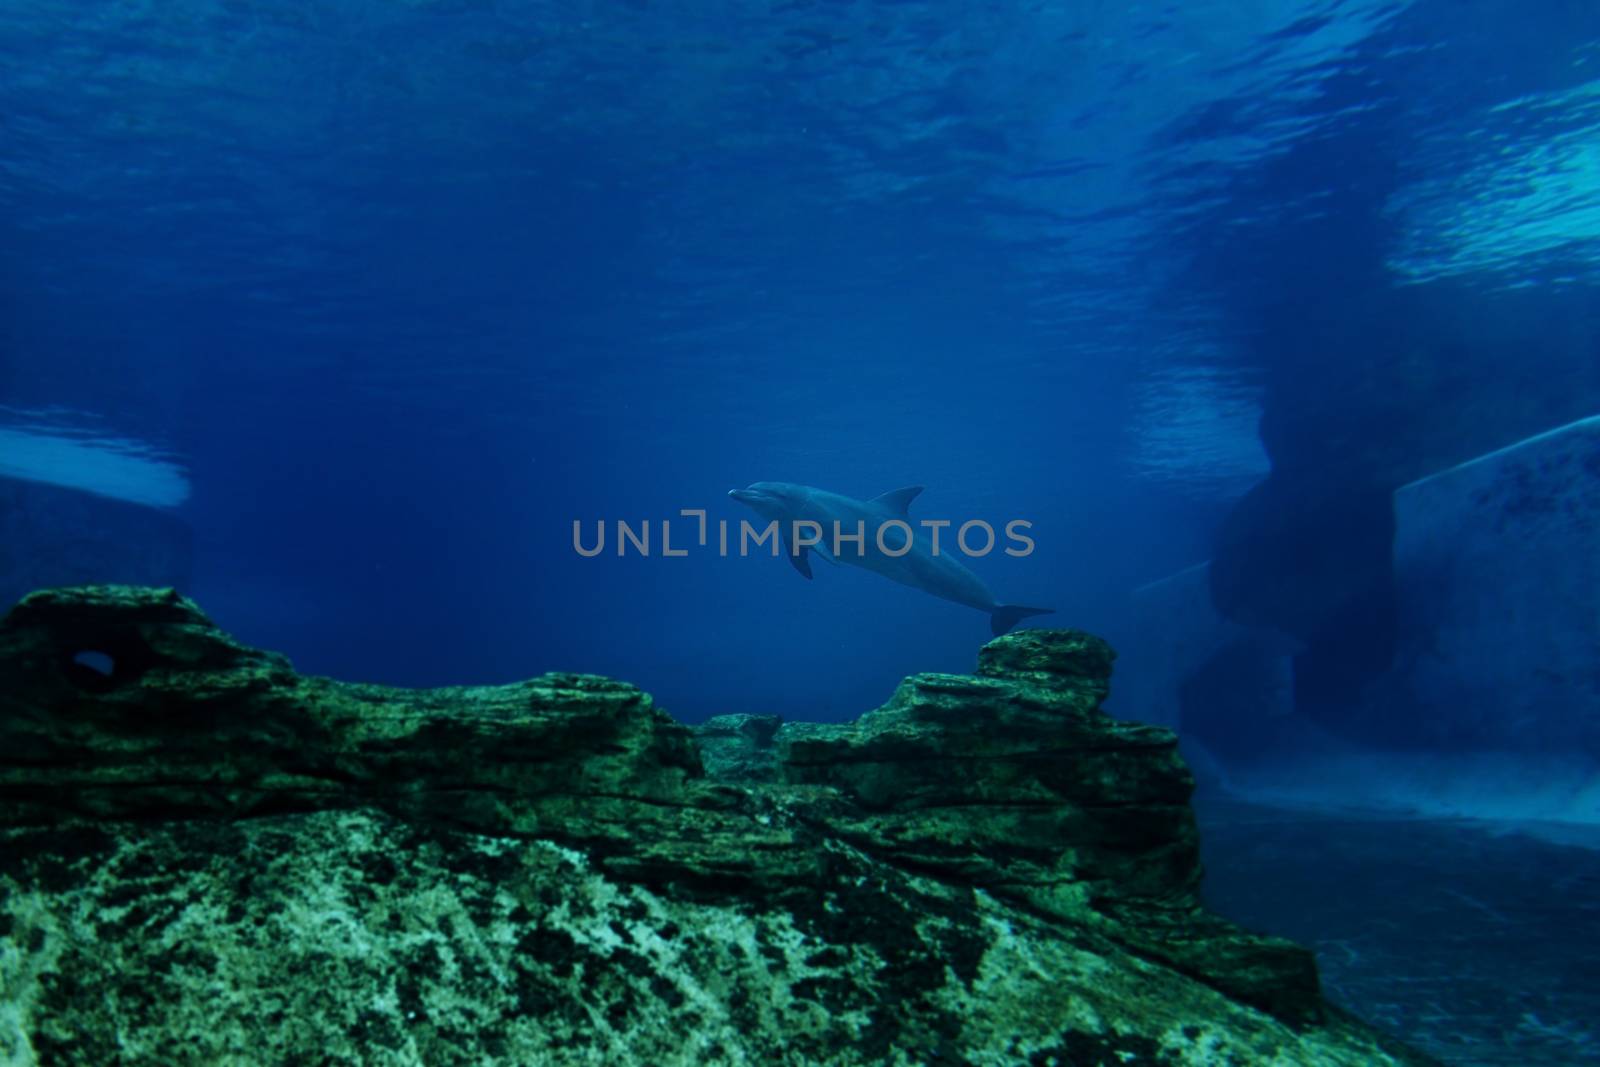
208, 858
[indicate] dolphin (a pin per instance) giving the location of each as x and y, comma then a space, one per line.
918, 566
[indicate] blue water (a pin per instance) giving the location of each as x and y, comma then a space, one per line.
407, 287
354, 306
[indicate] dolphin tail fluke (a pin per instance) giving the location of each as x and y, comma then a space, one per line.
1005, 616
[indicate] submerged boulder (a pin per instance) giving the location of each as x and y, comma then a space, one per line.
206, 857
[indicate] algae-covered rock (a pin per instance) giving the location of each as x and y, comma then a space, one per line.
739, 748
207, 858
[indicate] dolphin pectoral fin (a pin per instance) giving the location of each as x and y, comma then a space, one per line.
898, 501
1005, 616
800, 559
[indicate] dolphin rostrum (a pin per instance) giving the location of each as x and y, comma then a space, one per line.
829, 524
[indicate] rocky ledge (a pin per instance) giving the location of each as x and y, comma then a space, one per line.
207, 858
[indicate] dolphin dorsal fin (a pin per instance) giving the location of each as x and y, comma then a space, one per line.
898, 500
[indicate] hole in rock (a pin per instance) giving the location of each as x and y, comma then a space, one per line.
100, 663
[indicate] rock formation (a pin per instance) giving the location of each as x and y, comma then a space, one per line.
205, 857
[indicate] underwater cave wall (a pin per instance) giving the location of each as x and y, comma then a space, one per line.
1489, 702
1497, 563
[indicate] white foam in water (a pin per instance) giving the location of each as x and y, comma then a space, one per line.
106, 466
